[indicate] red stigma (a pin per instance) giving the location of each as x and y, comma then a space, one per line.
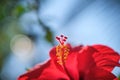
57, 38
62, 39
65, 37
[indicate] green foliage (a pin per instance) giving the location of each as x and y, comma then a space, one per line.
19, 10
6, 8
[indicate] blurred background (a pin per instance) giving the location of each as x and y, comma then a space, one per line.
28, 29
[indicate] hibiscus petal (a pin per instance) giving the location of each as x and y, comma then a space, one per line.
71, 66
106, 57
47, 71
34, 72
53, 73
85, 59
97, 60
97, 73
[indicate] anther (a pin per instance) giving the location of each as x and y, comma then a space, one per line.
61, 35
65, 37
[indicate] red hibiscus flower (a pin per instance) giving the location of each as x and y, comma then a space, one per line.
94, 62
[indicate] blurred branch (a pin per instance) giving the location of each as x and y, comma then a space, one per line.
49, 34
36, 5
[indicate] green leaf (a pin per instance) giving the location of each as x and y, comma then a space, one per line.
49, 36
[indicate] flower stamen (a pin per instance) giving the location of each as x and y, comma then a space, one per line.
62, 50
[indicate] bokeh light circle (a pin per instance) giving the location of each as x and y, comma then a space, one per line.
22, 46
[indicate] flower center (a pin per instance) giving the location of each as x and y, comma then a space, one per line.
62, 50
